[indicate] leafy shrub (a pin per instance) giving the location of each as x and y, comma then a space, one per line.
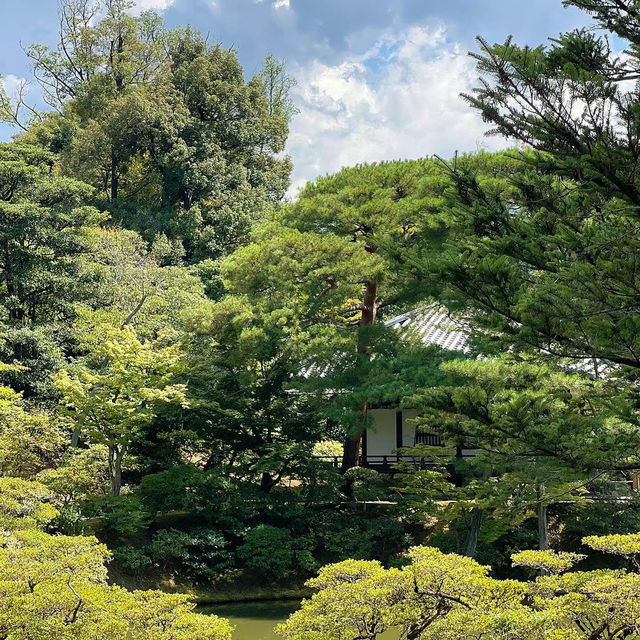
201, 553
208, 555
272, 551
268, 550
132, 559
169, 547
361, 538
121, 518
303, 551
367, 484
70, 522
176, 489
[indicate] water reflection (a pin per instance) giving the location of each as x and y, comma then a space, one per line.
254, 620
257, 620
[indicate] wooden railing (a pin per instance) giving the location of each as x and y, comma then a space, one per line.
384, 463
430, 439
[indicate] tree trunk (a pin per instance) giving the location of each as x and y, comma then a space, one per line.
187, 198
472, 536
115, 178
116, 454
266, 482
543, 525
351, 455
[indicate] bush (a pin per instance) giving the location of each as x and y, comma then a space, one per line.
381, 538
121, 518
169, 547
201, 553
268, 550
367, 484
132, 560
176, 489
208, 555
69, 522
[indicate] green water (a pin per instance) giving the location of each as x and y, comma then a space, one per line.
254, 620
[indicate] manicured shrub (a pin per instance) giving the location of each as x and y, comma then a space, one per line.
268, 550
132, 560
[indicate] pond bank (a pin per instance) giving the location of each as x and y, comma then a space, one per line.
230, 595
243, 588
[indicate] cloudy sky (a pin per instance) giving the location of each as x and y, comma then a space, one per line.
377, 79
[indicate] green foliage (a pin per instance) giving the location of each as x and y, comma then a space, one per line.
200, 554
163, 124
55, 587
245, 412
119, 387
80, 474
449, 596
328, 448
24, 504
329, 266
135, 289
546, 561
44, 220
539, 241
360, 535
176, 489
207, 554
626, 545
132, 559
533, 248
268, 550
119, 519
362, 599
30, 440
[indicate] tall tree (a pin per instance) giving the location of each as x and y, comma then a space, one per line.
44, 223
44, 237
119, 387
333, 260
544, 249
164, 125
244, 414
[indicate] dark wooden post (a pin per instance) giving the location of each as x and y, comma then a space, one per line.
398, 429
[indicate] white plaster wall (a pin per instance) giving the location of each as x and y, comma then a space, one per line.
408, 429
381, 437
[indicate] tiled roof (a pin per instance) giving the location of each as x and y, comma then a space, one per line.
434, 326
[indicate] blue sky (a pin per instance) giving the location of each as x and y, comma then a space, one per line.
377, 79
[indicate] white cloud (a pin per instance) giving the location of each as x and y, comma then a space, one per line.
399, 99
157, 5
281, 4
13, 85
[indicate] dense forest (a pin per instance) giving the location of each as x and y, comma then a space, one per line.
189, 361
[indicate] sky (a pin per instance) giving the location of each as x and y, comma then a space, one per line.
377, 79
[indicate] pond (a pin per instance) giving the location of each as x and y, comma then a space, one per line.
256, 620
